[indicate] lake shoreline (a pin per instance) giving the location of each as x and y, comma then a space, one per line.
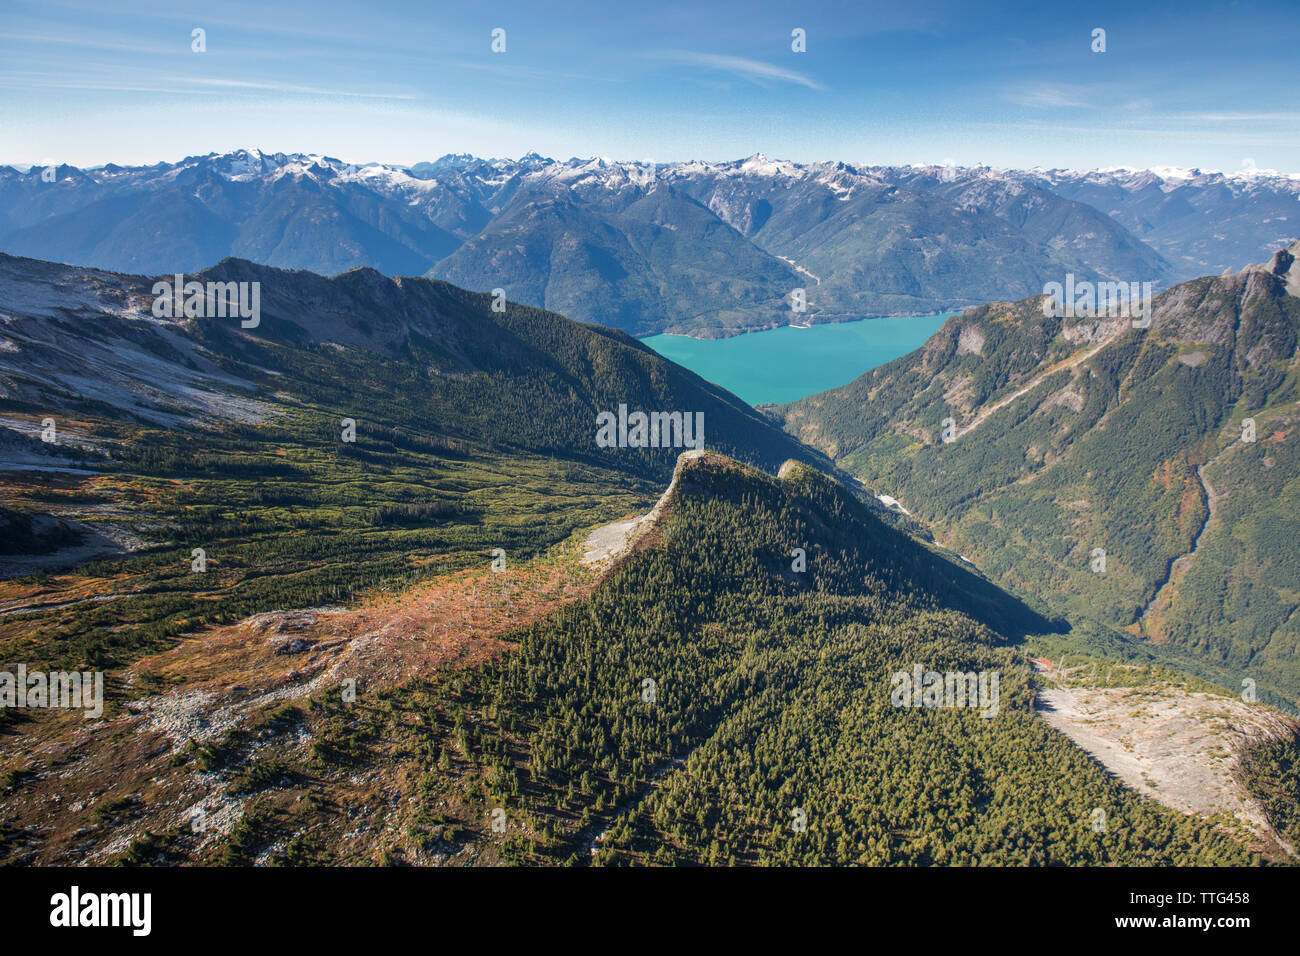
716, 335
788, 362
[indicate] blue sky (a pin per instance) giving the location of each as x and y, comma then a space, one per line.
1009, 84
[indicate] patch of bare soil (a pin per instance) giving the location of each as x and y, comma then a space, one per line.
1177, 747
609, 541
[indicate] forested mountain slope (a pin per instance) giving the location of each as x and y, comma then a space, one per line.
706, 703
366, 430
1171, 449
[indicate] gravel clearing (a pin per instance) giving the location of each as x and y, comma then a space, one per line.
610, 540
1176, 747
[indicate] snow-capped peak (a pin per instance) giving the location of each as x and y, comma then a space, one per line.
760, 165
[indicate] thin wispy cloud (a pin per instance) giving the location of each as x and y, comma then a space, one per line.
1234, 117
1052, 96
99, 86
1046, 130
292, 88
181, 86
113, 44
739, 66
495, 68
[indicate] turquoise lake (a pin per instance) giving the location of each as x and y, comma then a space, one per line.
780, 365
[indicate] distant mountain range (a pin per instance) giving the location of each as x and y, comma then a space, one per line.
707, 249
1203, 223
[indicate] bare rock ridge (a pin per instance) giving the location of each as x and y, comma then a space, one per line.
613, 539
1282, 266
